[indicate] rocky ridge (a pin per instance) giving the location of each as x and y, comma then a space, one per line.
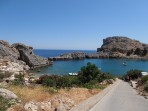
122, 47
19, 57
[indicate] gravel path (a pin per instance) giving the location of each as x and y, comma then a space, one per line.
122, 98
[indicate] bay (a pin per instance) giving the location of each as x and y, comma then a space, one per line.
113, 66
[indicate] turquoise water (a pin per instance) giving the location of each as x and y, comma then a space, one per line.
113, 66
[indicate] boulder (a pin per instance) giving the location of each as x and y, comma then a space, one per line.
26, 55
7, 94
38, 106
8, 52
31, 106
19, 57
61, 108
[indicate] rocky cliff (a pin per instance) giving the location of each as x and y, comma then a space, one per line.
122, 47
19, 56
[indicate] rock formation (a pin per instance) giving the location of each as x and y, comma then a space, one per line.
122, 47
69, 56
7, 94
19, 57
26, 55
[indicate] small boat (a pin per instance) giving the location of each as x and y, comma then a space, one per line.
144, 73
73, 74
124, 63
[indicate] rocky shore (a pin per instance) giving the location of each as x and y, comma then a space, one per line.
19, 57
74, 56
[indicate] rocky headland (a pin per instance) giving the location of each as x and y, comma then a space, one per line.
123, 47
19, 57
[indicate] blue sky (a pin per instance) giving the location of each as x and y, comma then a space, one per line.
72, 24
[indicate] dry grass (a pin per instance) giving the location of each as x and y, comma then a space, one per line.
78, 94
39, 93
26, 94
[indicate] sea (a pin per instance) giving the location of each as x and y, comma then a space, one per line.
112, 66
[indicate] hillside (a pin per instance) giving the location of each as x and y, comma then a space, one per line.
122, 47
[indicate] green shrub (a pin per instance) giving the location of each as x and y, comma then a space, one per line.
19, 79
138, 51
88, 86
41, 78
4, 104
105, 76
88, 73
64, 82
146, 87
133, 74
144, 79
49, 82
4, 75
58, 81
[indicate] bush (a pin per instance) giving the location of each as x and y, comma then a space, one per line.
4, 75
4, 104
146, 87
105, 76
133, 74
49, 82
41, 78
144, 79
58, 81
88, 73
88, 86
138, 51
19, 79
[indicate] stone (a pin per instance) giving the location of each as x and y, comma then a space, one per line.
7, 94
38, 106
60, 108
26, 55
31, 106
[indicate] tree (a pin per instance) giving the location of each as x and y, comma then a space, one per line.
144, 52
133, 74
138, 52
88, 73
129, 52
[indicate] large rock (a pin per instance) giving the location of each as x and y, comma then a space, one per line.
19, 57
122, 47
38, 106
26, 55
7, 52
7, 94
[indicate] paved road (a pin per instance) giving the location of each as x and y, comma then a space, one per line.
122, 98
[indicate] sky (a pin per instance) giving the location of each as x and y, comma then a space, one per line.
72, 24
